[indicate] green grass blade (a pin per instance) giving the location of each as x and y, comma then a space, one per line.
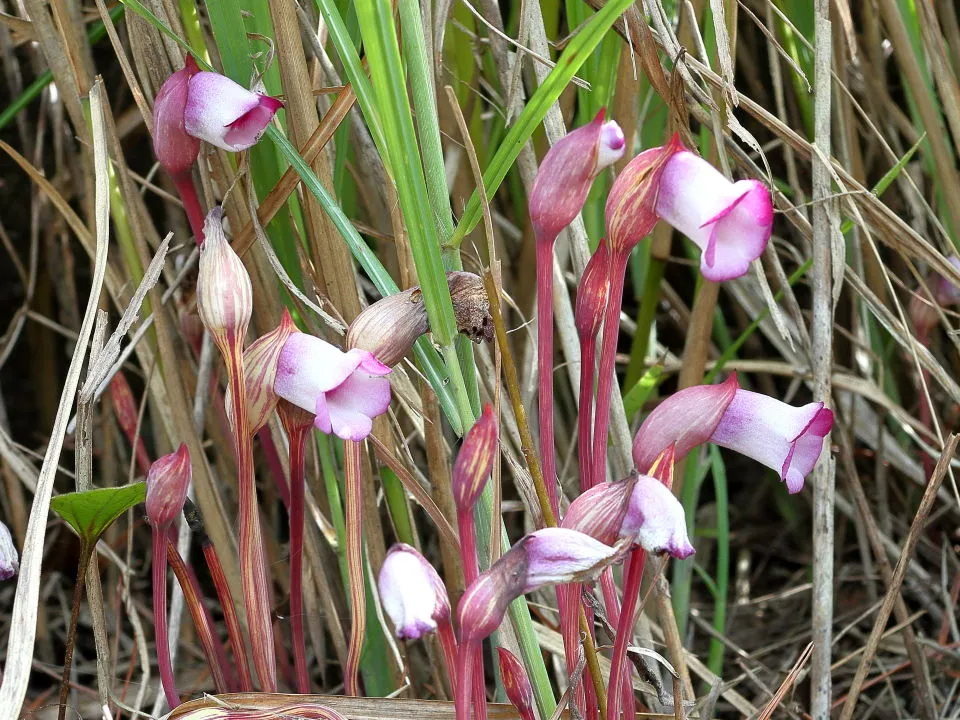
719, 470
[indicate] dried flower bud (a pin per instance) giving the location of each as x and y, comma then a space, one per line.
655, 519
631, 210
224, 293
593, 292
687, 418
176, 150
9, 558
471, 306
475, 460
167, 483
599, 511
516, 683
568, 171
412, 593
260, 362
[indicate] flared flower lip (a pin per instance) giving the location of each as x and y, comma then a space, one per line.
819, 426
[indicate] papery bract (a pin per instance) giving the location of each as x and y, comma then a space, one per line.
687, 418
785, 438
730, 222
412, 593
345, 390
226, 114
593, 292
475, 460
9, 558
176, 150
655, 519
224, 292
167, 483
516, 683
567, 172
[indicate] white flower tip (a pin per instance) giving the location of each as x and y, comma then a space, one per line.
612, 144
412, 594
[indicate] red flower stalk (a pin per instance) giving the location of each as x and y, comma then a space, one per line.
557, 196
630, 216
352, 471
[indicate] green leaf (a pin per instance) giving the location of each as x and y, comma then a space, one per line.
638, 394
91, 512
577, 52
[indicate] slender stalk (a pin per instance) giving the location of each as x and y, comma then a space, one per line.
86, 551
588, 360
465, 655
448, 643
545, 367
608, 356
201, 619
191, 203
160, 617
298, 437
471, 570
354, 528
232, 620
618, 693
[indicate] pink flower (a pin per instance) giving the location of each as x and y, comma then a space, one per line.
655, 519
345, 390
730, 222
412, 593
785, 438
175, 149
226, 114
687, 418
167, 483
567, 172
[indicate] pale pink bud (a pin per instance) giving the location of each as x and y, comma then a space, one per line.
687, 418
224, 292
412, 593
655, 519
730, 222
226, 114
593, 292
516, 683
345, 390
568, 171
631, 210
9, 559
475, 460
785, 438
175, 149
167, 483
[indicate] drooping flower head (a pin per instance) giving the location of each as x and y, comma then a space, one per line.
9, 558
686, 418
475, 460
730, 222
168, 481
567, 172
225, 113
516, 683
175, 148
412, 593
345, 390
785, 438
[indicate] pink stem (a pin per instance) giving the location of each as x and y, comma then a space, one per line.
160, 617
191, 203
619, 694
588, 357
568, 598
232, 620
273, 463
471, 570
298, 438
545, 367
464, 679
358, 602
608, 356
448, 643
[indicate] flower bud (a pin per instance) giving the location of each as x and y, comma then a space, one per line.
568, 171
631, 210
175, 149
226, 114
687, 419
730, 222
655, 519
593, 292
475, 460
9, 558
224, 293
516, 683
167, 483
412, 593
599, 511
389, 327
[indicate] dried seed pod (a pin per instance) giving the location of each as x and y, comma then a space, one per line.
471, 307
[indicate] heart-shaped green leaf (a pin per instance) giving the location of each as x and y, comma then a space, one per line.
91, 512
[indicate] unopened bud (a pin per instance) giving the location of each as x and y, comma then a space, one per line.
593, 292
567, 172
167, 483
655, 519
631, 210
475, 460
9, 559
224, 292
516, 683
412, 593
176, 150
